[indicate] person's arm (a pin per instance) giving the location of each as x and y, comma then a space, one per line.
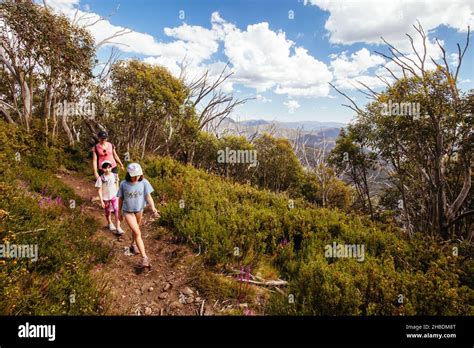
149, 200
101, 198
94, 163
148, 190
117, 158
120, 197
120, 208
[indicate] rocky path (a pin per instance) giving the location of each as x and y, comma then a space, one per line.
166, 289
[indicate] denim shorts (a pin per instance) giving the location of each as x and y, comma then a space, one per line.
131, 212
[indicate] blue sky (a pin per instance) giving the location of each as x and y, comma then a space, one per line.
282, 52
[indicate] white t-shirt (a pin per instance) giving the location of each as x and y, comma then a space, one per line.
109, 185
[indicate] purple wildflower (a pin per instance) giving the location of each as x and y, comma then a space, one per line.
248, 311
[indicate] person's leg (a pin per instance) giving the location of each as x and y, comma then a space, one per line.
116, 210
137, 235
107, 213
139, 220
139, 217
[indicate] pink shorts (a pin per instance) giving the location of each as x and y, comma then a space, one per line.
111, 206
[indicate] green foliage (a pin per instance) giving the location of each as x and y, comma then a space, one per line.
278, 166
352, 158
323, 188
420, 127
35, 210
205, 151
49, 38
149, 112
66, 255
47, 58
19, 148
219, 216
241, 172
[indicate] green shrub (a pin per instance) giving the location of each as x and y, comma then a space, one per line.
35, 210
66, 256
220, 216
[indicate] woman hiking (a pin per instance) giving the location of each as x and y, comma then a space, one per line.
134, 193
104, 151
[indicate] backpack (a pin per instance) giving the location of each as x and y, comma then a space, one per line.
102, 177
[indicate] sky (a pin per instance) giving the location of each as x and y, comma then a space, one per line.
283, 53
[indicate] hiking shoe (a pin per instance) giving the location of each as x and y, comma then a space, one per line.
119, 231
134, 249
145, 263
112, 227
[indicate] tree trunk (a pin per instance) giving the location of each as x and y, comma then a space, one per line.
48, 99
27, 102
144, 144
67, 129
7, 115
367, 193
55, 121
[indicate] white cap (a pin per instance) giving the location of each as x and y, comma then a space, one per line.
134, 169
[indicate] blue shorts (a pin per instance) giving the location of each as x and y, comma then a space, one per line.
132, 212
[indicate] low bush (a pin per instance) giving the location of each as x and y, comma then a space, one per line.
236, 224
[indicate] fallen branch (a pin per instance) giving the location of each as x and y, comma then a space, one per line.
280, 291
32, 231
259, 280
266, 283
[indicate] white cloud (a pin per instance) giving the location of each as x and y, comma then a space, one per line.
260, 57
359, 62
292, 105
200, 43
453, 59
358, 67
262, 99
62, 5
352, 83
264, 59
194, 43
267, 60
348, 70
363, 66
367, 20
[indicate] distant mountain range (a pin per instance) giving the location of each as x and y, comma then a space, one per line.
315, 133
304, 125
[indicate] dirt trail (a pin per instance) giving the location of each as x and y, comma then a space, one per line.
165, 289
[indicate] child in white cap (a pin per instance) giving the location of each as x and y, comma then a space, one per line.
134, 193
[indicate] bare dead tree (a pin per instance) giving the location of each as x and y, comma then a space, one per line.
87, 20
447, 145
208, 98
